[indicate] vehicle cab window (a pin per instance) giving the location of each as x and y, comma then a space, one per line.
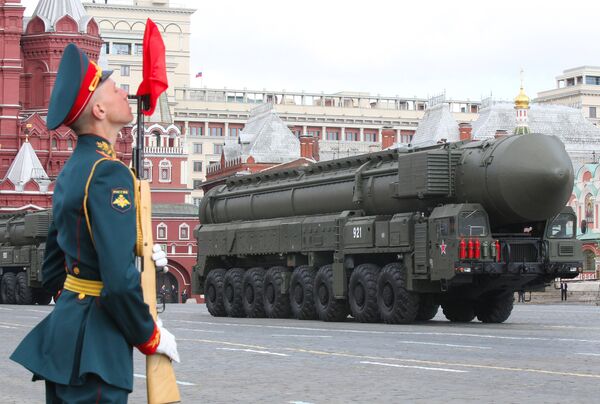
472, 223
562, 226
444, 227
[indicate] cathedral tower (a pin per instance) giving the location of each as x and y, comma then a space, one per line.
522, 108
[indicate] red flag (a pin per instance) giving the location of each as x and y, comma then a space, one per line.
154, 81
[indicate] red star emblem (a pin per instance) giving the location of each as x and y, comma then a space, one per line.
443, 248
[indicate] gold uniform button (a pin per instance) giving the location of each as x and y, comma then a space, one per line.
76, 270
81, 296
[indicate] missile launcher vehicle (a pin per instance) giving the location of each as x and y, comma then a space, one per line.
392, 236
22, 245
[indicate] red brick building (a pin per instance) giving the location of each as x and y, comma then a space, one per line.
31, 156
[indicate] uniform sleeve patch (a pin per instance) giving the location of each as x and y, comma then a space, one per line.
120, 199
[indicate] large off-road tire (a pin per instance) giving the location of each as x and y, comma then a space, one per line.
213, 292
397, 305
427, 308
460, 311
302, 302
328, 308
23, 293
495, 309
7, 288
41, 297
276, 300
362, 293
233, 292
253, 292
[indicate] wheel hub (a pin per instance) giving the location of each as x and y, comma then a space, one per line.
323, 294
211, 293
359, 295
229, 293
298, 293
270, 293
388, 295
249, 293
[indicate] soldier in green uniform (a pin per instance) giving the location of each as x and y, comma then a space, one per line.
84, 348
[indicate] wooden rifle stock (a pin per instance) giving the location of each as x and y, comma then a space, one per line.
161, 384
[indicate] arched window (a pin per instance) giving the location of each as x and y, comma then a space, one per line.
69, 144
54, 143
184, 232
164, 171
156, 136
173, 249
161, 231
147, 174
190, 249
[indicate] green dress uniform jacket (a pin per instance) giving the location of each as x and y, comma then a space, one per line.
92, 237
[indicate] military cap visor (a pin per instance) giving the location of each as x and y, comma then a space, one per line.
76, 81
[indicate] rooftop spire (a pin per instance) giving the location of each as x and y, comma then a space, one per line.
522, 106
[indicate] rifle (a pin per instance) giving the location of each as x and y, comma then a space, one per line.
161, 385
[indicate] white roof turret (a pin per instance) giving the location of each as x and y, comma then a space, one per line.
51, 11
25, 167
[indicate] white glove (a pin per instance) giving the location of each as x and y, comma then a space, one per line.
167, 345
160, 258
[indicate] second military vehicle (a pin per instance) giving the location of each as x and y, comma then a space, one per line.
22, 245
391, 236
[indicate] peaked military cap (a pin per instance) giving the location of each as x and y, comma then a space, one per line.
76, 80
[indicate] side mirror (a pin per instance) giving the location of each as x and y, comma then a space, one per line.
583, 226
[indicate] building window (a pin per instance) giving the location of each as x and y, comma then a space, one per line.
593, 80
197, 166
138, 49
297, 132
592, 112
69, 144
161, 231
197, 185
217, 148
125, 88
148, 170
216, 131
234, 132
189, 249
184, 232
195, 130
197, 148
196, 201
332, 136
54, 143
173, 249
121, 48
370, 137
165, 171
314, 133
125, 70
352, 136
106, 47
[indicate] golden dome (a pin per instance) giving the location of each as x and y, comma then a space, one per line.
522, 100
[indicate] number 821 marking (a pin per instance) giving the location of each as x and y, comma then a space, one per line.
357, 232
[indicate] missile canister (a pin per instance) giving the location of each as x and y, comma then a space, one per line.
516, 179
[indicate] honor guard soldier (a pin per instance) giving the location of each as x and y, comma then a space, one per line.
84, 348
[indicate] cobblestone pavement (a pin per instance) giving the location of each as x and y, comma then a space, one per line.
543, 353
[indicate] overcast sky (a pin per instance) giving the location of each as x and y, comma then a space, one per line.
470, 49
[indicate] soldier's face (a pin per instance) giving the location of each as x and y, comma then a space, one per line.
114, 100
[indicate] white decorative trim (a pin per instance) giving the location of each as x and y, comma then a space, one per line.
182, 225
159, 226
